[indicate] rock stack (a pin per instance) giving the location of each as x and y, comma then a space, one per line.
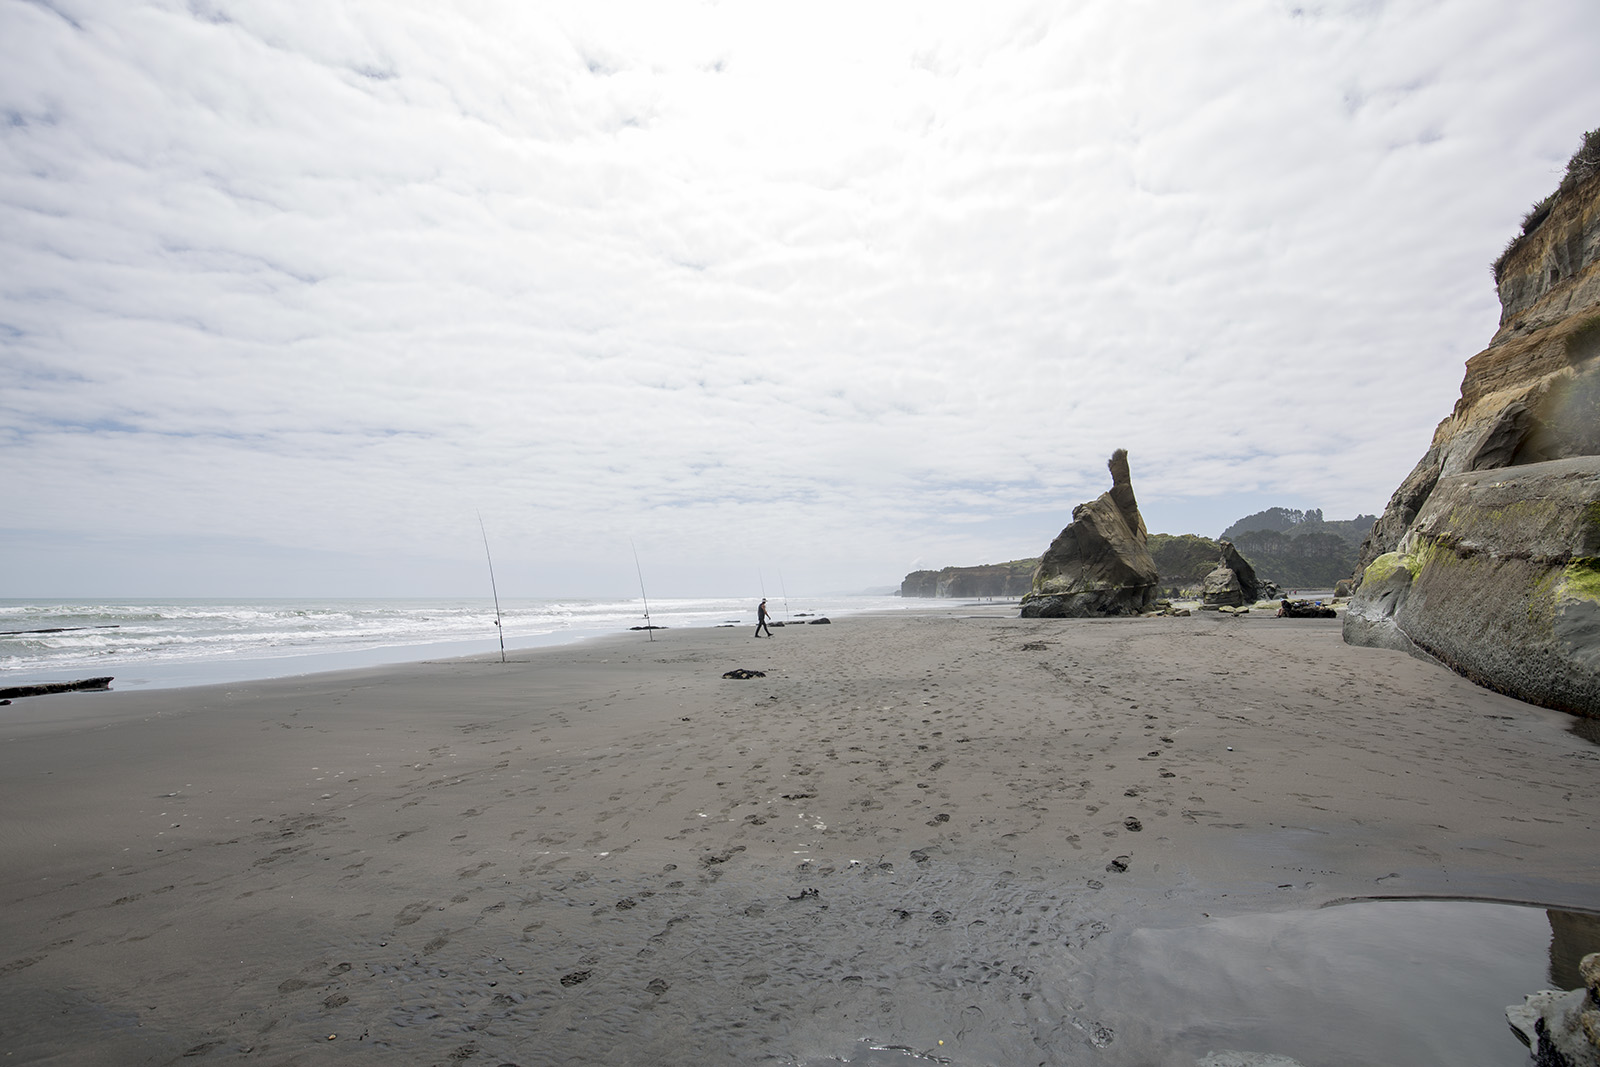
1100, 564
1233, 583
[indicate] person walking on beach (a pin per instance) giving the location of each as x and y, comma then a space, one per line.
761, 619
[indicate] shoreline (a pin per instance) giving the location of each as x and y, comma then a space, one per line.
607, 852
139, 671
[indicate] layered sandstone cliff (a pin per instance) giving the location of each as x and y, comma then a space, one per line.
991, 579
1487, 557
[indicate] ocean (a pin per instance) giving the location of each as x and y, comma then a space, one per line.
164, 643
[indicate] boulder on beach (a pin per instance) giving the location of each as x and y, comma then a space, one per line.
1100, 564
1487, 558
1233, 582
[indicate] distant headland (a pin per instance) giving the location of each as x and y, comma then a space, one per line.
1291, 548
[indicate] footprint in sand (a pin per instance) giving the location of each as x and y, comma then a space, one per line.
412, 913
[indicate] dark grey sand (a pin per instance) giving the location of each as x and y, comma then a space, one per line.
913, 830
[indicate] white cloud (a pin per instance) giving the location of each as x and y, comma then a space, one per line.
852, 289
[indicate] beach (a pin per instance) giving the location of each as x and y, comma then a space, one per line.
944, 834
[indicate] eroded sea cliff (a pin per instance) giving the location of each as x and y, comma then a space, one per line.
1487, 557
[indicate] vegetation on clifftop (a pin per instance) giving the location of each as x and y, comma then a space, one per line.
1183, 560
1584, 162
1298, 523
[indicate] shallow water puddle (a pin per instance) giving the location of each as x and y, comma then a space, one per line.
1370, 982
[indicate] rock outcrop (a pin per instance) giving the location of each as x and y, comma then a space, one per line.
992, 579
1233, 583
1183, 560
1562, 1029
1100, 564
1488, 555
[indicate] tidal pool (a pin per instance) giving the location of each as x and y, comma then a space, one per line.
1367, 982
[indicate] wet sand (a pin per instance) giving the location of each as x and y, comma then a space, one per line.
913, 830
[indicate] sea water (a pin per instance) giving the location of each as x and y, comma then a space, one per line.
161, 643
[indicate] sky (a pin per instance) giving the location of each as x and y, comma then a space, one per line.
295, 293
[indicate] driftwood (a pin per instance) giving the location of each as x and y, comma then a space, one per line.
46, 688
1305, 609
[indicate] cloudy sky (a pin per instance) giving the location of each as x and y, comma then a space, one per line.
291, 291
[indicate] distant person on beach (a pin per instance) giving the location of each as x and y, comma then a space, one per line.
761, 619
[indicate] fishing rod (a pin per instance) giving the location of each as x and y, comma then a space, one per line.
762, 577
785, 595
497, 624
651, 630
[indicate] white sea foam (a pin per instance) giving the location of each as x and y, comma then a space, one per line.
237, 640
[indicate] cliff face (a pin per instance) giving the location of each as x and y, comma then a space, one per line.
993, 579
1488, 554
